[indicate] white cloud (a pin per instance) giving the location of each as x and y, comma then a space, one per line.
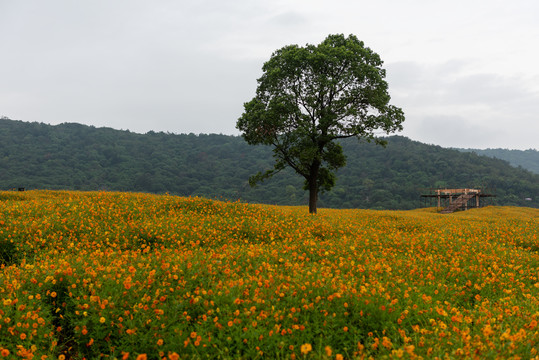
455, 107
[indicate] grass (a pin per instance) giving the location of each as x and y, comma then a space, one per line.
134, 276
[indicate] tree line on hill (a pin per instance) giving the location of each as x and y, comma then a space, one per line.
78, 157
527, 159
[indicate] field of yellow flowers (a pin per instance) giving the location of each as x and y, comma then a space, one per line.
88, 275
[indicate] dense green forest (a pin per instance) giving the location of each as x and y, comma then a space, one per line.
527, 159
78, 157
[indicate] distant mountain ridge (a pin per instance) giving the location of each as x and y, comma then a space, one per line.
79, 157
528, 159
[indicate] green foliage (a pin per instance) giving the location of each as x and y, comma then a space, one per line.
310, 96
78, 157
8, 252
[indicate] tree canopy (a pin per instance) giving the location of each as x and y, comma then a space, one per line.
310, 96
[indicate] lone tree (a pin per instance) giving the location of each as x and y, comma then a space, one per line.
309, 97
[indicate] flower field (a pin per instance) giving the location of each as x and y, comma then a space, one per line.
138, 276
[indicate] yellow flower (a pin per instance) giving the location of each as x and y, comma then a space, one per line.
306, 348
102, 320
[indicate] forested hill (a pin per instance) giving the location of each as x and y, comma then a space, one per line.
79, 157
528, 159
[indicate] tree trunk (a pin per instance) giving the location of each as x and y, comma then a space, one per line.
313, 187
313, 196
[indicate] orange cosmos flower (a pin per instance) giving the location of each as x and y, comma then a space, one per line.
328, 351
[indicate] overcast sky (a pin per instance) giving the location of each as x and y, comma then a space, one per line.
465, 72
